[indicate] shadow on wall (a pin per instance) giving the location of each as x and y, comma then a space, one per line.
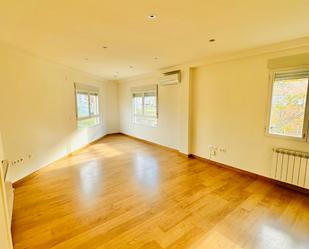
44, 155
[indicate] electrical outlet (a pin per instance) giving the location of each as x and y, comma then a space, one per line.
17, 161
212, 150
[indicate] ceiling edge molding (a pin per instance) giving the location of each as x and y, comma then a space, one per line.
42, 58
301, 43
291, 45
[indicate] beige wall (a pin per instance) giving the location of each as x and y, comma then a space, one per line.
111, 107
166, 131
229, 111
222, 104
37, 110
5, 233
173, 123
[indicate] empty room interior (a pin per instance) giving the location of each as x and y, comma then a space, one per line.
154, 124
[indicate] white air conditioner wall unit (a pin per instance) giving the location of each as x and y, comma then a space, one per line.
170, 78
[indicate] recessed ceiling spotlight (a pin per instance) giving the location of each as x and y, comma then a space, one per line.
152, 16
105, 47
212, 40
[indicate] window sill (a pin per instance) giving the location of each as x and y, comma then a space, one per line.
145, 125
90, 126
295, 139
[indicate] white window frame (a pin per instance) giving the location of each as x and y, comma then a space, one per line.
143, 90
272, 73
87, 90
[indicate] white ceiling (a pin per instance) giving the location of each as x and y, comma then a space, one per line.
69, 31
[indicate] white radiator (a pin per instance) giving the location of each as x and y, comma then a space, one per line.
291, 166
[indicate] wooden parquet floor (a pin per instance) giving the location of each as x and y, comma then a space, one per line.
123, 193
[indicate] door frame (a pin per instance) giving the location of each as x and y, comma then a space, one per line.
5, 228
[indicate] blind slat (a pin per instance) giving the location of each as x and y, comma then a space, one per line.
140, 89
86, 88
291, 75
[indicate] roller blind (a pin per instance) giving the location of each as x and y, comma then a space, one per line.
148, 88
86, 88
291, 75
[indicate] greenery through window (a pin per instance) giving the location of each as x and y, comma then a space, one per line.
87, 107
145, 109
289, 104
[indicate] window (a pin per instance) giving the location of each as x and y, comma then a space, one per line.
288, 111
145, 109
87, 106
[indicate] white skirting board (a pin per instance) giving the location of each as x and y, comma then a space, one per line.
10, 198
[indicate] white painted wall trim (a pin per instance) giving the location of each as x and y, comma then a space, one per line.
5, 232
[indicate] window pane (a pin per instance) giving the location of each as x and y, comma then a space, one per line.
94, 104
138, 104
150, 104
88, 122
82, 105
288, 107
